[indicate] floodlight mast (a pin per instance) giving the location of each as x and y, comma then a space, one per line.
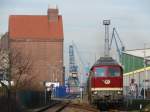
106, 49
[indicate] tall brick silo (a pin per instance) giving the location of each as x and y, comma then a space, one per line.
40, 37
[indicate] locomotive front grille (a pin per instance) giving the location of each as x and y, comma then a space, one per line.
108, 95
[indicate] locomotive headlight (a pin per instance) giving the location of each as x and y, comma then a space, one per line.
119, 92
95, 92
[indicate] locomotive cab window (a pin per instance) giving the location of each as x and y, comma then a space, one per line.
100, 72
114, 71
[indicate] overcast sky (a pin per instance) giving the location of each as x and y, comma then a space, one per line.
82, 21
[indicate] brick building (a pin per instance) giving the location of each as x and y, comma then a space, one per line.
41, 38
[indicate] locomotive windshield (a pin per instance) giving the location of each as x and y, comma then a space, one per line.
100, 71
114, 71
107, 71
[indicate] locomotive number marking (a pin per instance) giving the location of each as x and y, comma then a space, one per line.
106, 82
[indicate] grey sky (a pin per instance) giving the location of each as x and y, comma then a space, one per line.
83, 21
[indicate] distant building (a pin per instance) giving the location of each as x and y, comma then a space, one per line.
41, 38
4, 42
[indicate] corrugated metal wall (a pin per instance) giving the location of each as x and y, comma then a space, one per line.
140, 76
131, 62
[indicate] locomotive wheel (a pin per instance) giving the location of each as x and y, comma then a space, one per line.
90, 100
103, 106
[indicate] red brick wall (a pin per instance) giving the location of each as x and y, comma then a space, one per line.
46, 57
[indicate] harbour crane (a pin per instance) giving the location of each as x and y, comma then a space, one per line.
73, 79
118, 42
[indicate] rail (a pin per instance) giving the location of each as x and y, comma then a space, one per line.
65, 106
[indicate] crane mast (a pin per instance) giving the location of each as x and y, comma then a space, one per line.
106, 50
115, 37
73, 80
72, 66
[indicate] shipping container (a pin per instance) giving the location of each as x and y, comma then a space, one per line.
60, 91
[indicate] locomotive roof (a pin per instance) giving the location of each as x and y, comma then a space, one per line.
105, 61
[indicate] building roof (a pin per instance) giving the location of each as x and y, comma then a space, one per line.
139, 52
35, 27
105, 61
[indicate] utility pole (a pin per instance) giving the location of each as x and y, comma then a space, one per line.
145, 71
106, 50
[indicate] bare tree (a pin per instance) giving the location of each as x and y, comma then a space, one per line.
17, 67
4, 66
21, 69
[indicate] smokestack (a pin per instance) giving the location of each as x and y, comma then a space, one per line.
52, 13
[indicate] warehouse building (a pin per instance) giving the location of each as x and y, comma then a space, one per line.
134, 59
39, 37
135, 68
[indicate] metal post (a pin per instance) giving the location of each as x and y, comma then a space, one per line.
45, 96
9, 79
81, 90
145, 71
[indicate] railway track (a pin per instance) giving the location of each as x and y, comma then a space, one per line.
73, 105
47, 107
83, 107
62, 107
58, 107
70, 107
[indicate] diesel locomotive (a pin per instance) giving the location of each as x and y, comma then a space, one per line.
105, 82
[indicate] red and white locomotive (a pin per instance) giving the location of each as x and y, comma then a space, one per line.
105, 82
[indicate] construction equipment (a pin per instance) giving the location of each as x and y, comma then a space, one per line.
119, 47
